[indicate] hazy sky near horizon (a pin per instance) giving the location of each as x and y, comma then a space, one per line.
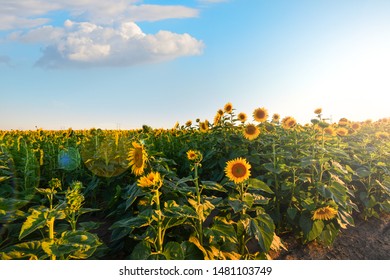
125, 63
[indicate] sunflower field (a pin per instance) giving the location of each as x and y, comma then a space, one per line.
233, 188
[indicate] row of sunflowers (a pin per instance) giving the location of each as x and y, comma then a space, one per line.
231, 189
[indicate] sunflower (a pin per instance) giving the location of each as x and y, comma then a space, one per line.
204, 126
137, 158
228, 108
238, 170
382, 135
288, 122
330, 131
318, 111
194, 155
220, 112
217, 119
242, 117
251, 132
153, 179
342, 131
356, 126
189, 123
343, 121
324, 213
275, 118
260, 114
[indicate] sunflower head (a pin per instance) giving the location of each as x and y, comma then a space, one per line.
195, 156
260, 114
242, 117
343, 122
189, 123
204, 126
356, 126
153, 179
324, 213
217, 119
238, 170
220, 112
330, 131
251, 132
318, 111
228, 108
382, 135
275, 118
342, 131
137, 158
288, 122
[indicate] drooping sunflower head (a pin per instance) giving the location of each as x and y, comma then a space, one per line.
260, 114
238, 170
137, 158
324, 213
188, 123
318, 111
251, 132
342, 131
217, 119
242, 117
382, 135
220, 112
153, 179
228, 108
288, 122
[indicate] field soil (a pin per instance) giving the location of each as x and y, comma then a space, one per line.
368, 240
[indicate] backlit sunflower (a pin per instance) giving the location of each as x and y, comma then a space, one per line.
382, 135
356, 126
217, 119
288, 122
342, 131
137, 158
153, 179
260, 114
228, 108
220, 112
238, 170
251, 132
189, 123
318, 111
275, 118
324, 213
330, 131
343, 121
242, 117
204, 126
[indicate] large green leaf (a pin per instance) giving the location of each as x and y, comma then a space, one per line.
311, 229
173, 251
36, 220
141, 251
262, 228
132, 193
221, 231
27, 250
236, 204
73, 245
212, 186
258, 185
191, 251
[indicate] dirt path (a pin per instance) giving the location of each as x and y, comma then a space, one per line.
368, 240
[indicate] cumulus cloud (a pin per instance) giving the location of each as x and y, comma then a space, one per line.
101, 32
85, 44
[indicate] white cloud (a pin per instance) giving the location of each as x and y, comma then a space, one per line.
32, 13
87, 44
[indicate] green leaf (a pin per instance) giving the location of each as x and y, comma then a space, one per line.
262, 228
335, 191
311, 229
329, 234
248, 200
221, 231
292, 212
271, 168
3, 178
362, 172
36, 220
212, 186
173, 251
236, 204
73, 245
27, 250
133, 192
256, 184
191, 251
141, 251
316, 230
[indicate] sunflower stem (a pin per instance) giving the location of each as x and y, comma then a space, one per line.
200, 220
159, 222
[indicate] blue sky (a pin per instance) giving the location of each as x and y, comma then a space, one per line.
125, 63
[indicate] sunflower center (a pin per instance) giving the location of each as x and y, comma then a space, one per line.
250, 129
239, 170
138, 157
